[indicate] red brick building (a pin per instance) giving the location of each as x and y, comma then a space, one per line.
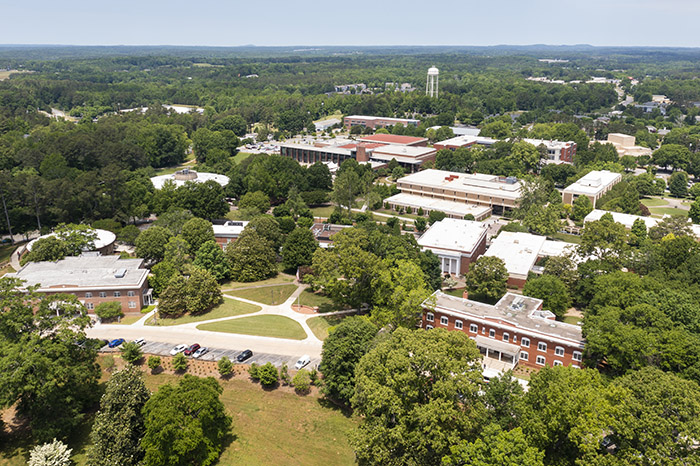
375, 122
513, 331
228, 232
456, 242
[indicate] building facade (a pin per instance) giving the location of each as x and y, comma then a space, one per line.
457, 243
375, 122
593, 185
228, 232
514, 331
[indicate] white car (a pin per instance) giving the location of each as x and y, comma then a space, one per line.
140, 341
200, 352
304, 360
178, 349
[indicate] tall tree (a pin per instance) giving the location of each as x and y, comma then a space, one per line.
299, 248
210, 257
252, 258
150, 244
487, 278
197, 231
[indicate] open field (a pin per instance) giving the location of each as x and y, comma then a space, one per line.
654, 202
324, 211
240, 157
320, 325
661, 211
262, 326
324, 303
272, 295
229, 308
280, 279
269, 427
567, 238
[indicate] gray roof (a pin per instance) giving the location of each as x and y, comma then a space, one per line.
84, 272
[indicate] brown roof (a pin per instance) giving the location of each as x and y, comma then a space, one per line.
393, 139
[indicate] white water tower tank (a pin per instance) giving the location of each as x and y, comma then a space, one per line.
431, 87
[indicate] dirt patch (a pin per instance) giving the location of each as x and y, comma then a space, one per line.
304, 309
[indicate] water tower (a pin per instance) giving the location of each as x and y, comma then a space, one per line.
431, 87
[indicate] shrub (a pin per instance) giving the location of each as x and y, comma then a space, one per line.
109, 310
420, 211
225, 366
313, 376
180, 362
253, 371
302, 381
131, 352
267, 374
387, 206
54, 453
153, 362
284, 374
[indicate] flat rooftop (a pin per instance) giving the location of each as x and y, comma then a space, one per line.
159, 181
229, 228
519, 311
454, 234
393, 139
626, 219
406, 153
84, 272
367, 117
104, 238
594, 182
486, 185
429, 204
518, 251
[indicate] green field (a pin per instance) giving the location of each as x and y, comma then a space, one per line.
320, 325
229, 308
323, 212
262, 326
240, 157
661, 211
572, 320
6, 251
324, 303
270, 427
272, 295
280, 279
576, 239
128, 320
458, 292
654, 202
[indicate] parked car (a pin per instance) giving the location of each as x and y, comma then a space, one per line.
192, 349
140, 341
178, 349
244, 355
200, 352
304, 360
116, 342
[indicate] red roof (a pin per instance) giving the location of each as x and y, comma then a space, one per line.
393, 139
369, 145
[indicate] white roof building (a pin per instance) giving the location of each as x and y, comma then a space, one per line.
183, 176
593, 185
456, 242
626, 219
428, 204
104, 239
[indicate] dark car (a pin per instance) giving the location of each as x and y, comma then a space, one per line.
191, 349
244, 355
116, 342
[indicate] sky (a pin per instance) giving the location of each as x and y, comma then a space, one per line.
395, 22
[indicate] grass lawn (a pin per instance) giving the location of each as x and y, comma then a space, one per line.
171, 170
128, 320
269, 426
6, 251
458, 292
572, 320
320, 325
271, 295
240, 157
229, 308
337, 115
324, 211
280, 279
324, 303
661, 211
7, 269
262, 326
654, 202
568, 238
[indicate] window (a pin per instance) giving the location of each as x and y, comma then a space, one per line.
492, 333
132, 304
88, 295
576, 356
473, 328
558, 363
117, 294
525, 342
515, 338
541, 346
458, 324
506, 337
430, 317
90, 306
428, 327
540, 360
524, 356
559, 351
103, 294
444, 320
130, 293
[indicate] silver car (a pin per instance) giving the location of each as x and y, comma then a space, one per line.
200, 352
178, 349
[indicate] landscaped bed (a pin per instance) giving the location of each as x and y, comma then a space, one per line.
262, 326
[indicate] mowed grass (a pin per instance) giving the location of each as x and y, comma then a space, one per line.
271, 295
280, 279
269, 427
323, 211
576, 239
6, 251
321, 325
654, 202
262, 326
240, 157
323, 303
229, 308
574, 320
128, 320
661, 211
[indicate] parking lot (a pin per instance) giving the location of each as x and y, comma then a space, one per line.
214, 354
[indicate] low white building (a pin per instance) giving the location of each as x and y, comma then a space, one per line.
625, 219
186, 175
593, 185
456, 242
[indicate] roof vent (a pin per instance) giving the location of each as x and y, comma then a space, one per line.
120, 273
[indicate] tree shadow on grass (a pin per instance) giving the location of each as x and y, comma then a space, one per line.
335, 405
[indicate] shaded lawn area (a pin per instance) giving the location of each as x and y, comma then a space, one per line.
229, 308
6, 251
661, 211
458, 292
572, 320
324, 303
7, 269
271, 295
323, 211
278, 280
654, 202
240, 157
567, 238
262, 326
321, 324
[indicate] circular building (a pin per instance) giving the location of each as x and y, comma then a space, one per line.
104, 244
186, 175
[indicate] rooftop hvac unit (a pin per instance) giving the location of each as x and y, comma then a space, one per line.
120, 273
511, 180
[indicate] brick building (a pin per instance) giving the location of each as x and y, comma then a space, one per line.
514, 331
93, 279
593, 185
457, 243
375, 122
228, 232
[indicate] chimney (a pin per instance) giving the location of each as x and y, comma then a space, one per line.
465, 294
361, 154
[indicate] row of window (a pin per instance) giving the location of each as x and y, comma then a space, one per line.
524, 342
117, 294
91, 306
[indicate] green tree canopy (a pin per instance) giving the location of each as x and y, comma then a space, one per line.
299, 248
150, 244
552, 290
252, 258
487, 278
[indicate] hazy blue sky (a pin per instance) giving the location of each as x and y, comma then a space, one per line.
395, 22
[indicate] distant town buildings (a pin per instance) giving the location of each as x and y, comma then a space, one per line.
375, 122
93, 279
557, 151
593, 185
457, 243
186, 175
